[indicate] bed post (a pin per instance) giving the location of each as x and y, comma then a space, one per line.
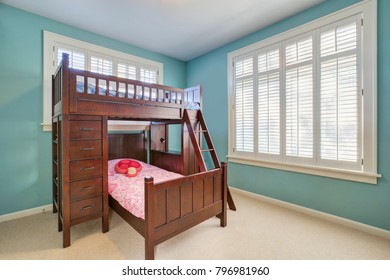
223, 216
149, 218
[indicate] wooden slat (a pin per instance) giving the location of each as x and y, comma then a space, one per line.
186, 199
208, 191
198, 191
173, 204
217, 188
160, 208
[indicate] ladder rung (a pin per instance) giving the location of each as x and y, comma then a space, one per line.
207, 150
201, 131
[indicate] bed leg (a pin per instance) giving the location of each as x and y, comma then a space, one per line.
149, 250
149, 218
59, 223
223, 215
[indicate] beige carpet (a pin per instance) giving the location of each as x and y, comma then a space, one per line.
256, 231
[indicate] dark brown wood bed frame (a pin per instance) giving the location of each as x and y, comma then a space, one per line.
82, 147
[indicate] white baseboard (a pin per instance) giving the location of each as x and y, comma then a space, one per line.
25, 213
318, 214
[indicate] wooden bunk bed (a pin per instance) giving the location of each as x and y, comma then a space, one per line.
83, 102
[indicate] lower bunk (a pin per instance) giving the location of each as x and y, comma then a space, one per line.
167, 203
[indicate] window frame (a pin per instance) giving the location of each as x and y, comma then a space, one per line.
368, 11
51, 41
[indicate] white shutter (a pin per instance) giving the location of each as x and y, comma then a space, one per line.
126, 70
101, 65
76, 57
244, 104
269, 102
340, 92
311, 107
299, 116
148, 75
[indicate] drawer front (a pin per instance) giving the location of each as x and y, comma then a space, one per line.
86, 188
85, 207
80, 169
85, 149
85, 129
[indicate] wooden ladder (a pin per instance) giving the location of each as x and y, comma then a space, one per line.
209, 149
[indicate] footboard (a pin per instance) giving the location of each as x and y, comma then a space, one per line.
174, 206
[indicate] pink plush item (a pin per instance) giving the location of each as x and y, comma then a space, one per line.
121, 168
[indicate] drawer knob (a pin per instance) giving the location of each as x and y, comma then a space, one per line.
87, 188
87, 207
86, 129
87, 149
87, 168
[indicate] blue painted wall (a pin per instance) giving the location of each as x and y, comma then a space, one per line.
25, 153
25, 166
365, 203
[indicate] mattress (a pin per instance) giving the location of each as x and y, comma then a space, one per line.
129, 191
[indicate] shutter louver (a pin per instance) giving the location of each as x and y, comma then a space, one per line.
101, 65
76, 58
340, 123
299, 99
148, 75
244, 105
127, 71
269, 103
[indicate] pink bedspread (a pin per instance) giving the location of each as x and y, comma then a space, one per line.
129, 191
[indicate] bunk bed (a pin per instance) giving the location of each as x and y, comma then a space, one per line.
83, 103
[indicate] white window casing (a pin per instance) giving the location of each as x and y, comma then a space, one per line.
94, 58
305, 100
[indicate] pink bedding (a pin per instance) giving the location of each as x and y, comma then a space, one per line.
129, 191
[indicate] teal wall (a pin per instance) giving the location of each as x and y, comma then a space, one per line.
25, 150
365, 203
25, 166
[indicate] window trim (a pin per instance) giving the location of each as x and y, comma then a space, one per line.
51, 40
368, 10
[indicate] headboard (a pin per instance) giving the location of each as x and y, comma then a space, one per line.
127, 146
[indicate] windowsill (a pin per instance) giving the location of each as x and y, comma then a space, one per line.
356, 176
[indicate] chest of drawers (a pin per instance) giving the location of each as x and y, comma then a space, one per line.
82, 193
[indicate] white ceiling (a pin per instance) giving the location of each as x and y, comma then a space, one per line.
183, 29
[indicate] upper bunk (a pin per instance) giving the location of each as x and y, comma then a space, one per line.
83, 92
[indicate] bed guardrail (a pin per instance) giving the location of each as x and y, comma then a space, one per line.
91, 86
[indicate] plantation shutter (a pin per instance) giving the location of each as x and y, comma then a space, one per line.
148, 75
299, 98
101, 65
76, 57
244, 104
269, 101
340, 92
126, 70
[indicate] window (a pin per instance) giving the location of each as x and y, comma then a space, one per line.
85, 56
305, 100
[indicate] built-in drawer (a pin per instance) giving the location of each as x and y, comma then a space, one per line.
86, 130
81, 169
82, 149
86, 188
85, 207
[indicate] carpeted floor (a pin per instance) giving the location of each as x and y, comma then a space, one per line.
257, 230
